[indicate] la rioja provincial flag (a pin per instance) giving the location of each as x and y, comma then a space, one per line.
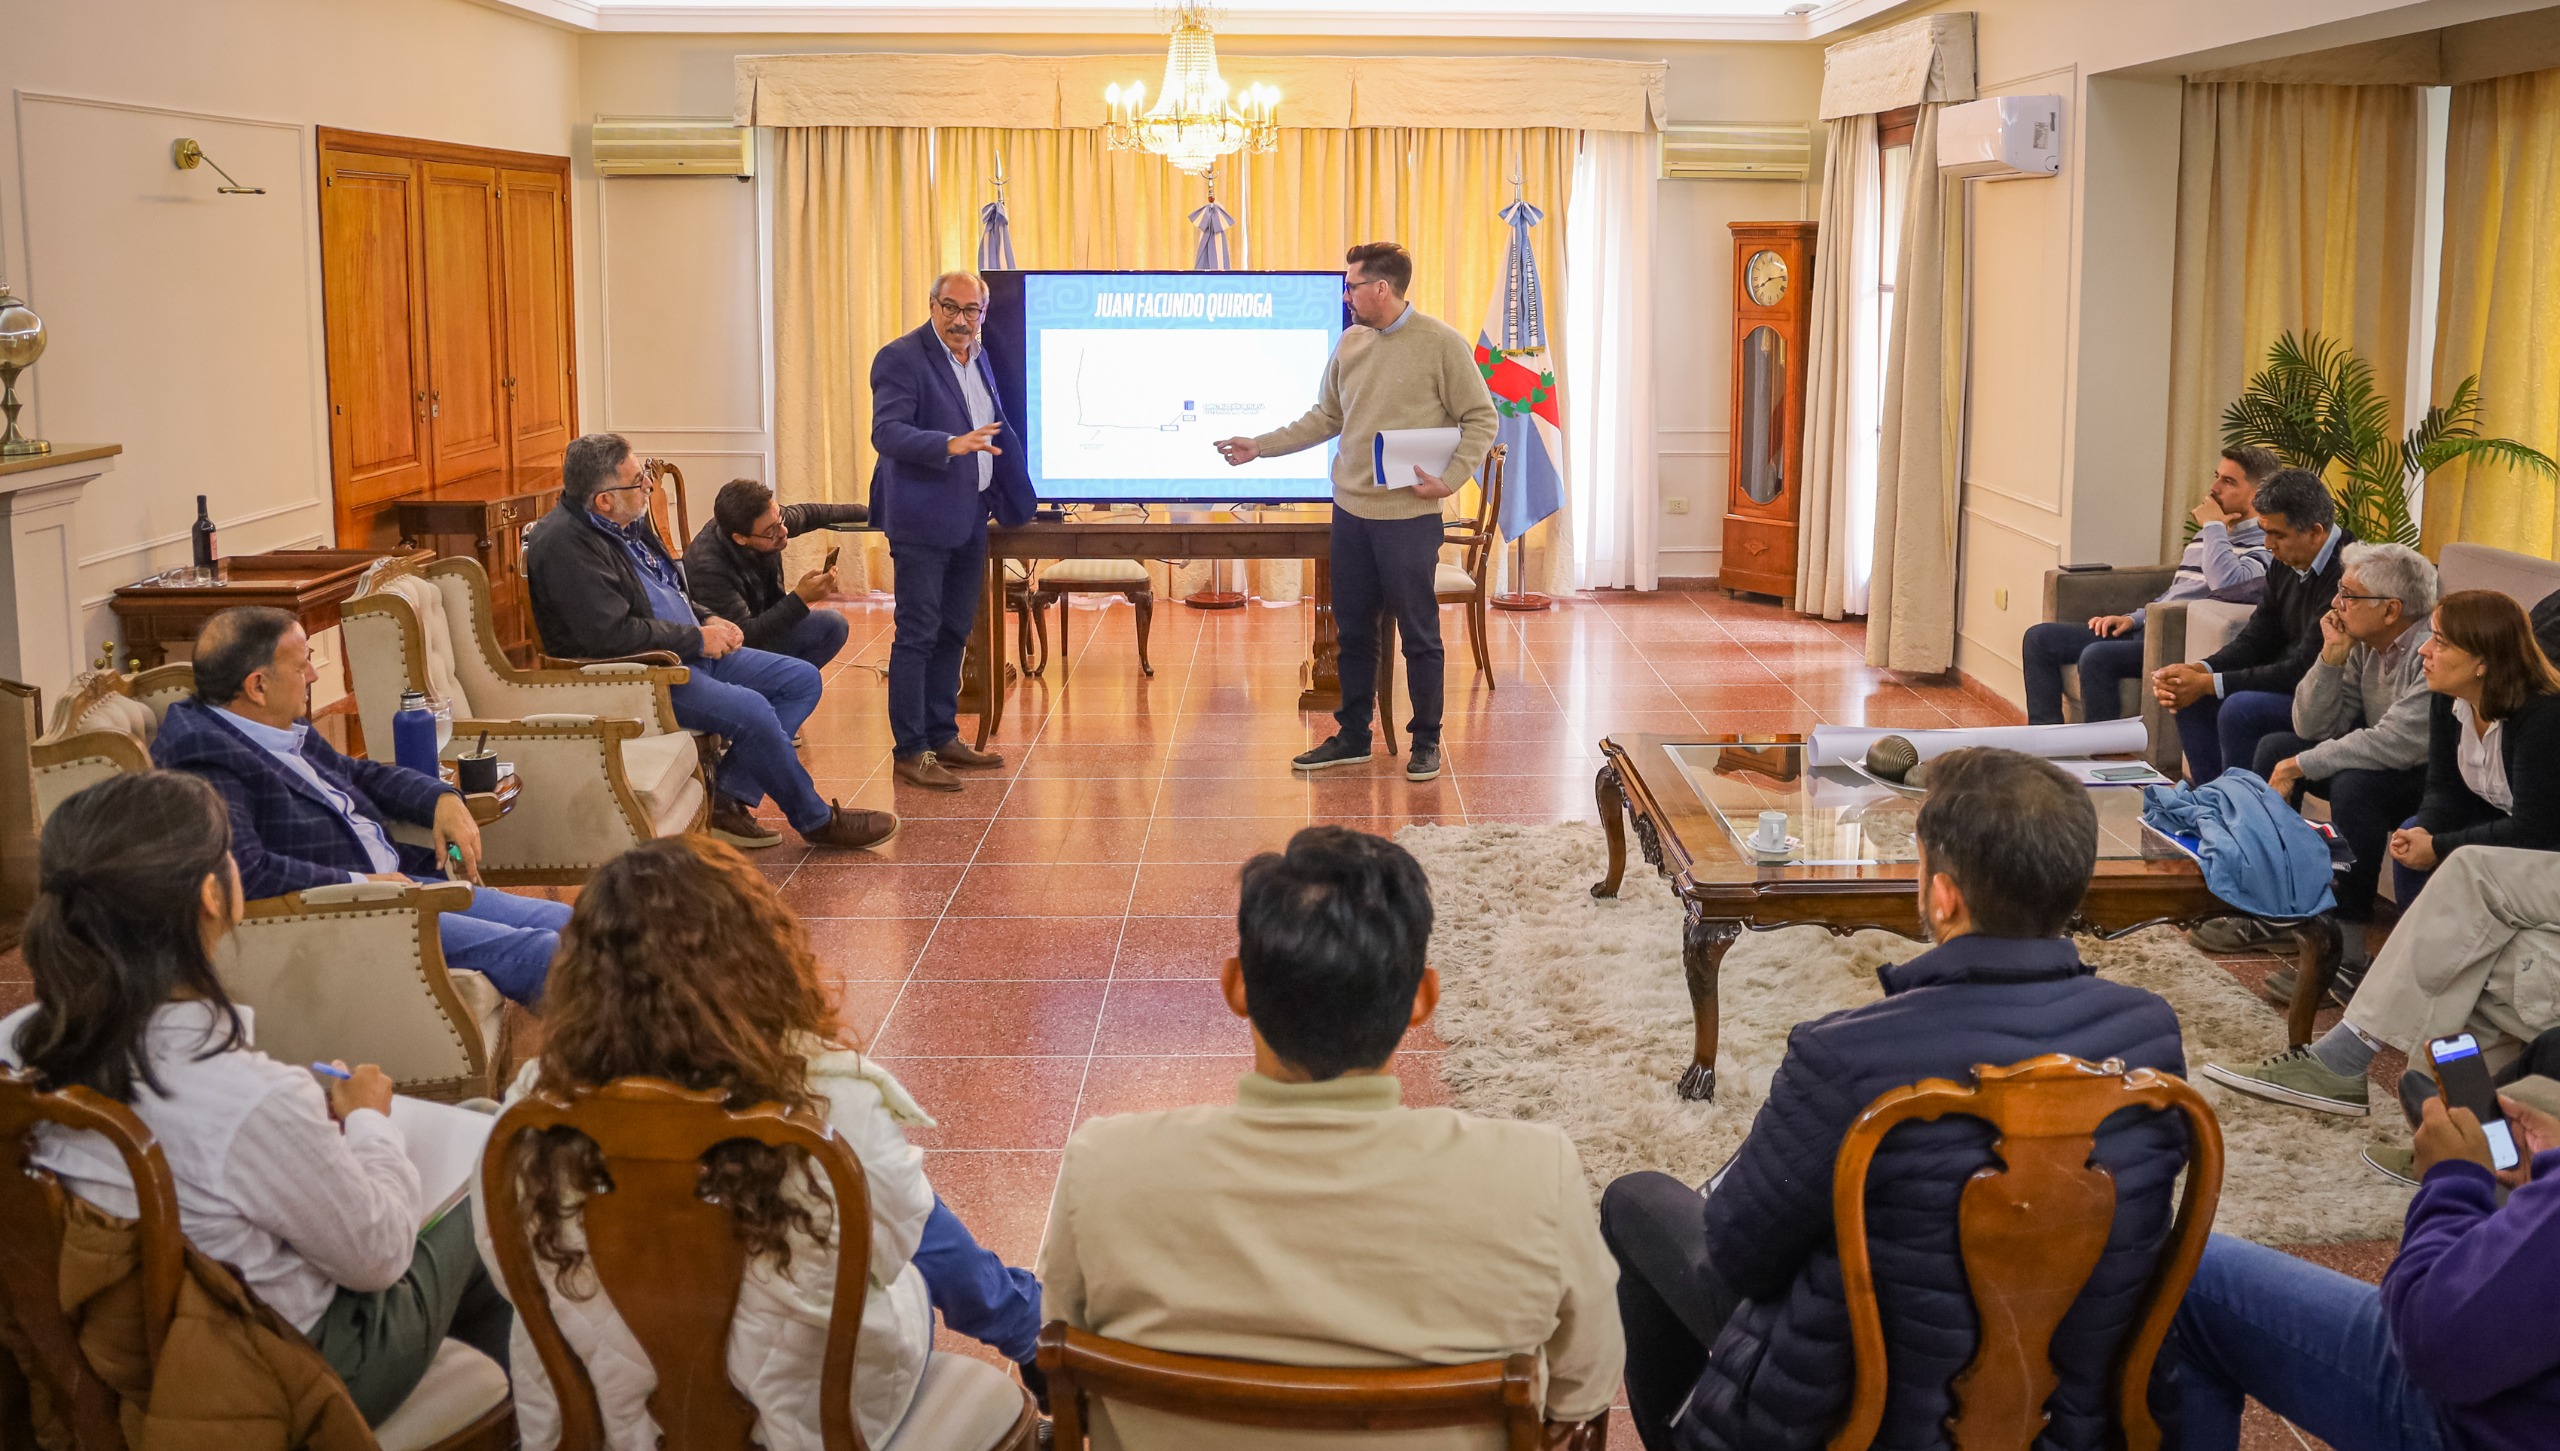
1511, 352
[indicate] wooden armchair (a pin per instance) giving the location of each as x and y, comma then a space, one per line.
354, 970
671, 1263
603, 765
462, 1405
1497, 1394
1470, 581
2032, 1227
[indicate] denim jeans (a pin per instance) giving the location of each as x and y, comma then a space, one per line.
818, 638
2105, 665
2222, 733
937, 602
757, 700
2309, 1342
979, 1295
505, 938
1387, 566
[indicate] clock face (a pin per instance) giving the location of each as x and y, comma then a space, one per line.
1765, 278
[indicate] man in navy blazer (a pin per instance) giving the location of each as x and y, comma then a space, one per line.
302, 815
949, 460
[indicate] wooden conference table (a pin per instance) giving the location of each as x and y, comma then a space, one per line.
1307, 538
1851, 864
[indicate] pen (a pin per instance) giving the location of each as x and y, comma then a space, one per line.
328, 1071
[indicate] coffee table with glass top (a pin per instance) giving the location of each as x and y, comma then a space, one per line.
1852, 860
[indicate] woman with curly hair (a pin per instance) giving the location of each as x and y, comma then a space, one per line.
681, 963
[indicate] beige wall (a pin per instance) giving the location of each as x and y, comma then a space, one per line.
689, 380
186, 325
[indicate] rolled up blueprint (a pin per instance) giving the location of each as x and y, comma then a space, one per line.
1835, 744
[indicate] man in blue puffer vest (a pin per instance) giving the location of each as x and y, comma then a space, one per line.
1737, 1331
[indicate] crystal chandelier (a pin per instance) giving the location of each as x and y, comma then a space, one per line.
1192, 123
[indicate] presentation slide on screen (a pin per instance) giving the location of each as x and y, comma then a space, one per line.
1131, 378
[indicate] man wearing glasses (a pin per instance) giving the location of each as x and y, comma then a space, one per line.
734, 569
605, 587
1398, 369
948, 461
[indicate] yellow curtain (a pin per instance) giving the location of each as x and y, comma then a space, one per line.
2498, 309
879, 211
2297, 210
854, 253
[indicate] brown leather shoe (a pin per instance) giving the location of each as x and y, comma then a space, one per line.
733, 823
956, 752
853, 828
925, 771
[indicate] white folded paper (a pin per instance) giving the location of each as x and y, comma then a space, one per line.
1397, 452
1833, 744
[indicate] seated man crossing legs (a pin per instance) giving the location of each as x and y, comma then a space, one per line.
604, 585
302, 815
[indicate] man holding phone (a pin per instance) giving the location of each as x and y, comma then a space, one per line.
2458, 1348
733, 568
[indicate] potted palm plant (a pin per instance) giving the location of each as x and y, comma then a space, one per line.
2315, 404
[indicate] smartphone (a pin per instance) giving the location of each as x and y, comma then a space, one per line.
2465, 1081
2125, 773
832, 556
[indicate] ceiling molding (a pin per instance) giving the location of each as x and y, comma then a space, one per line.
629, 17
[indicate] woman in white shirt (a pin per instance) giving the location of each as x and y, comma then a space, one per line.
681, 963
309, 1196
2493, 745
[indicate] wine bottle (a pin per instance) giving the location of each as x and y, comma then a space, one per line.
203, 536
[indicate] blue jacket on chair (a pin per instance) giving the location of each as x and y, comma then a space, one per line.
920, 493
284, 834
1779, 1377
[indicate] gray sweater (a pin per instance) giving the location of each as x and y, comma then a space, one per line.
2368, 714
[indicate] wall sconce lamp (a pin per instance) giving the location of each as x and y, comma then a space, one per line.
188, 156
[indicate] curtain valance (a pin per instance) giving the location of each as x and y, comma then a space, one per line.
1928, 59
1322, 92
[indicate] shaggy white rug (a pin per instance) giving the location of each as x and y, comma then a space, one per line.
1567, 1010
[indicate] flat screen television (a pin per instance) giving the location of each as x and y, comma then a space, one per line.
1120, 382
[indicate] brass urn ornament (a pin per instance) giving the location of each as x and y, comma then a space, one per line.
21, 343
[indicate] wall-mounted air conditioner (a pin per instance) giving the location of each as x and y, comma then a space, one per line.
2002, 138
674, 148
1736, 153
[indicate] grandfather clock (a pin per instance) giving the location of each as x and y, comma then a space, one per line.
1772, 274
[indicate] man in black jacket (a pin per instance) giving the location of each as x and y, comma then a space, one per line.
2244, 690
734, 569
604, 586
1749, 1268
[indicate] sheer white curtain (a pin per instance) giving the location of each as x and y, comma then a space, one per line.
1835, 546
1612, 485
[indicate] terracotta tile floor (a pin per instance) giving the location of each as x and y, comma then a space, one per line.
1041, 948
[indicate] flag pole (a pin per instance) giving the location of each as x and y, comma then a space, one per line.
1213, 254
1516, 599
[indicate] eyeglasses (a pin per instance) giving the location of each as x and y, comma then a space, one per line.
646, 482
2369, 599
777, 534
948, 308
1349, 288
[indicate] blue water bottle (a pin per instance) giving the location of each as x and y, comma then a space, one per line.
413, 733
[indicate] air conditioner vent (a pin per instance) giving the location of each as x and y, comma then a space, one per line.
1737, 153
674, 148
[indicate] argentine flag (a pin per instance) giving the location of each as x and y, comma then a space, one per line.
1511, 352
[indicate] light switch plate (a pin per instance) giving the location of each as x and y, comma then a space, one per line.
1676, 504
2000, 599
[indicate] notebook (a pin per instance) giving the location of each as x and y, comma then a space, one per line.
1396, 452
445, 1144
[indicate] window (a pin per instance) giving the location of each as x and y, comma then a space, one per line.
1875, 240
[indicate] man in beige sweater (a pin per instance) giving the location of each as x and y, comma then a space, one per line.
1316, 1221
1397, 368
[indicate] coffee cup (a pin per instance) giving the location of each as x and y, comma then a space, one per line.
476, 771
1772, 835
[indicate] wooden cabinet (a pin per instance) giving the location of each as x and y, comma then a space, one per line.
1772, 274
484, 518
451, 333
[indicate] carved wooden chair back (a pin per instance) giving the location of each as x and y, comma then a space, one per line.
1083, 1367
671, 1262
1476, 538
2032, 1226
32, 1203
668, 511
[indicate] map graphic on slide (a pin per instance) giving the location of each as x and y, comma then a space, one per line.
1148, 403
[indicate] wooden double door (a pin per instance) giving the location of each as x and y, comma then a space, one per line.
451, 337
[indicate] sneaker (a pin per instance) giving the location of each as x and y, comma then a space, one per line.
2342, 983
2392, 1162
2279, 986
922, 769
733, 823
1334, 752
1424, 763
853, 828
2297, 1078
2239, 934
